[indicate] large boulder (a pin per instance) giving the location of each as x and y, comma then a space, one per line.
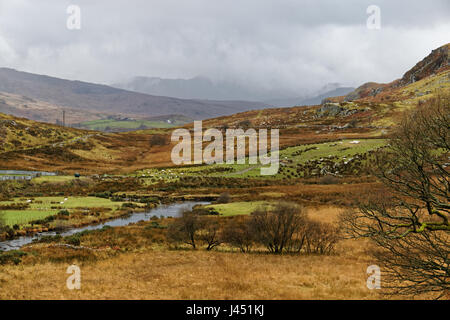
331, 109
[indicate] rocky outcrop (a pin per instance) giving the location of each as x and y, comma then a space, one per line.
436, 61
369, 89
333, 109
330, 109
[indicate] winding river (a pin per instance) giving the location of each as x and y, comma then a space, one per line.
171, 210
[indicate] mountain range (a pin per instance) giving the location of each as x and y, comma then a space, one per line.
200, 87
204, 88
44, 98
102, 99
27, 144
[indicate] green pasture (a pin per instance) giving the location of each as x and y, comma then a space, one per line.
343, 149
41, 207
42, 179
237, 208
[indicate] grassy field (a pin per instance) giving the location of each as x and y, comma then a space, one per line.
53, 179
44, 203
237, 208
344, 148
23, 217
164, 274
341, 150
141, 269
42, 207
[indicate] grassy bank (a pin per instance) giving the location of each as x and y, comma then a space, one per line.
42, 207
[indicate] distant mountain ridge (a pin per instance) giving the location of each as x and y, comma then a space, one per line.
92, 97
205, 88
327, 92
200, 87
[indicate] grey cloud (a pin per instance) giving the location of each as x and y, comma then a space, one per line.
275, 44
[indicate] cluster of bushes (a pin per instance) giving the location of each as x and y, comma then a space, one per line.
44, 221
195, 229
223, 198
25, 188
64, 212
73, 240
15, 206
283, 228
155, 225
48, 239
127, 205
6, 232
159, 140
105, 194
217, 182
11, 257
134, 198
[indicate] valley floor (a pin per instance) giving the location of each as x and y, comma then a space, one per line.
182, 274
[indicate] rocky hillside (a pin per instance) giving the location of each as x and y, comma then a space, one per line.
25, 107
371, 109
438, 61
21, 134
38, 146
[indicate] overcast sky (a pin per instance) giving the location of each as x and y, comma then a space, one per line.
290, 44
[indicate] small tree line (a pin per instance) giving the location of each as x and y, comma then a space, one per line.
282, 228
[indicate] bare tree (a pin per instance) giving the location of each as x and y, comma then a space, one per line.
416, 264
210, 232
413, 211
185, 229
320, 237
275, 227
238, 233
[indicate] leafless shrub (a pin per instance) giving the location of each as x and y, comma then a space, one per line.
275, 227
237, 233
210, 232
224, 198
320, 237
158, 140
328, 179
185, 229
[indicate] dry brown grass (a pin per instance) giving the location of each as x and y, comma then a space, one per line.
327, 214
311, 195
139, 266
164, 274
